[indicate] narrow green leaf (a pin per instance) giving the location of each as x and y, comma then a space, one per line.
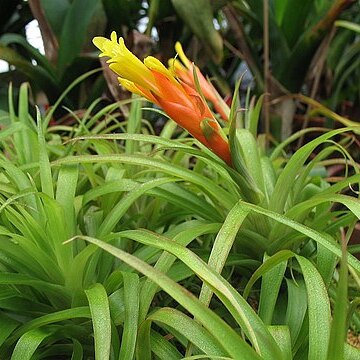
348, 25
44, 163
77, 351
254, 116
281, 334
7, 325
131, 303
339, 328
249, 154
223, 244
318, 309
189, 328
296, 307
166, 260
270, 287
65, 193
11, 129
26, 135
133, 126
238, 307
28, 343
162, 347
100, 314
122, 206
74, 31
60, 98
268, 265
326, 262
73, 313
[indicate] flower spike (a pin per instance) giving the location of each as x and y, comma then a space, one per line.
152, 80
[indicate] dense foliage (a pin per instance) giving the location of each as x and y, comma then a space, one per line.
123, 237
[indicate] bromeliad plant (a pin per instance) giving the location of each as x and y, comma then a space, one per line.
214, 224
274, 209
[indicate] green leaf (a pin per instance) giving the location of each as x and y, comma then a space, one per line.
65, 194
100, 314
294, 17
7, 325
189, 328
162, 348
198, 15
254, 116
44, 163
348, 25
248, 152
270, 287
296, 307
122, 206
269, 264
41, 60
131, 303
55, 13
282, 336
239, 308
77, 351
318, 309
133, 126
28, 343
37, 74
74, 30
223, 244
339, 327
73, 313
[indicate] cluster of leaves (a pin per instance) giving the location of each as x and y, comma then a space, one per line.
112, 245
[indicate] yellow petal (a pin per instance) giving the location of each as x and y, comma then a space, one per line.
124, 62
130, 86
175, 65
98, 41
155, 64
182, 55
